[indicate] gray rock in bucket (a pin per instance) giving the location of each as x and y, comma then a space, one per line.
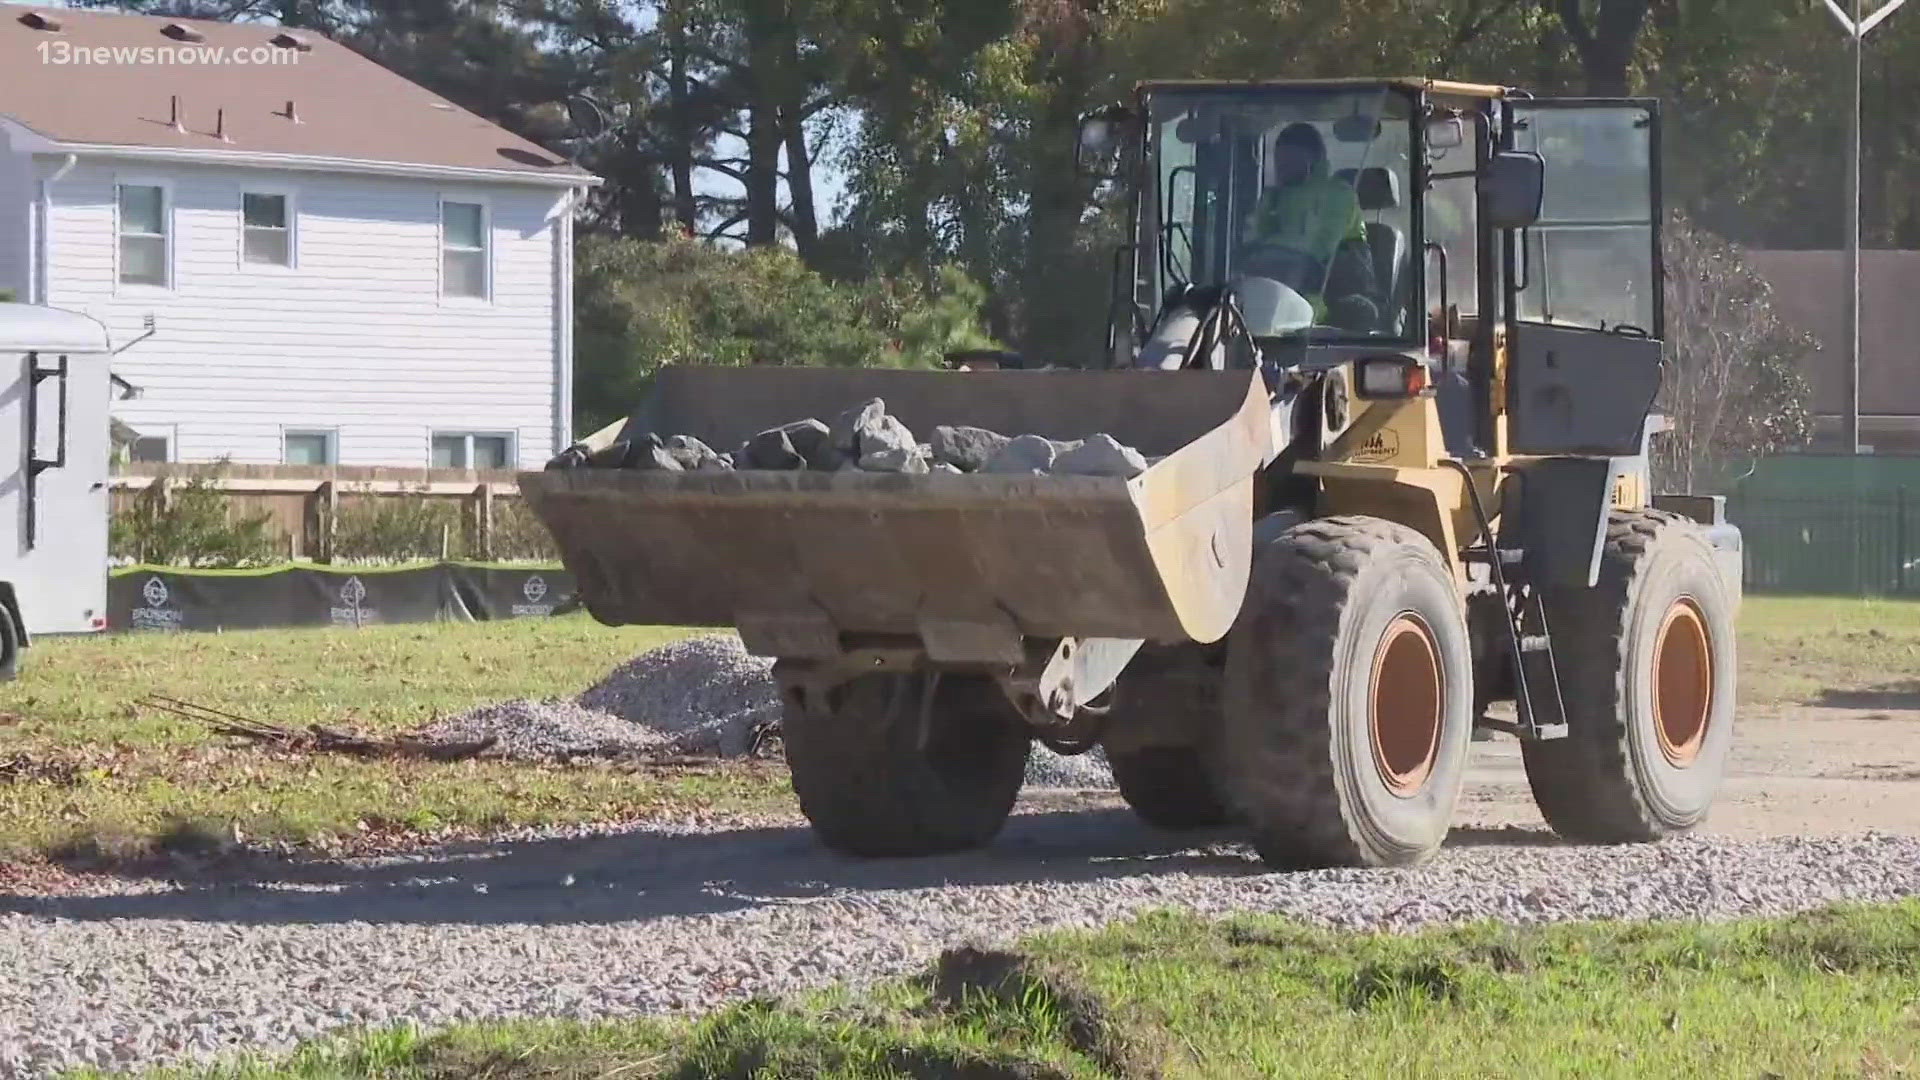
642, 452
868, 428
1026, 454
844, 435
1101, 455
692, 454
807, 437
771, 449
657, 459
830, 458
966, 448
886, 433
901, 459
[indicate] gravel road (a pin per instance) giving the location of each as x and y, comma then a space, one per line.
666, 919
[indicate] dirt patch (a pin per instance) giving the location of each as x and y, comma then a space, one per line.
966, 975
1798, 771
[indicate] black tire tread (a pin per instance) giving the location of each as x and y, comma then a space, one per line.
1169, 787
1584, 784
867, 794
1289, 794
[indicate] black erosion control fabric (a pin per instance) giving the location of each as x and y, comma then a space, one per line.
172, 598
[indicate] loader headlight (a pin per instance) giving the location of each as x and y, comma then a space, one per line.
1390, 377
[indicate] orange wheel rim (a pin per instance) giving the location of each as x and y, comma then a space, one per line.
1404, 705
1682, 683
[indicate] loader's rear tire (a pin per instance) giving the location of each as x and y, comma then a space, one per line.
911, 763
1646, 663
1168, 787
1348, 697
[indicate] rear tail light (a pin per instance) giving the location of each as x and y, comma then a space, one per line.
1391, 377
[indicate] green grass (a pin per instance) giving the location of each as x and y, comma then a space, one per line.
1819, 651
92, 772
110, 777
1835, 993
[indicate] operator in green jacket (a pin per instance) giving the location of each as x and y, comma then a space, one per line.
1307, 216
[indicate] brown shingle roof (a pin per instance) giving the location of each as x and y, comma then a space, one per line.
348, 107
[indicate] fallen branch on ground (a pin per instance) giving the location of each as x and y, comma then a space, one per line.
318, 738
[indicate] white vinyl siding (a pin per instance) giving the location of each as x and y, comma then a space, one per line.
145, 234
463, 249
357, 341
266, 228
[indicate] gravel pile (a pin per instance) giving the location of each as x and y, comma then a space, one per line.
869, 438
543, 729
701, 695
1046, 769
708, 693
656, 923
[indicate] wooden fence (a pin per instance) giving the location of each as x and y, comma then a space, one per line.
304, 503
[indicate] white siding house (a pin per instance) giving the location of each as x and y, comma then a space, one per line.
367, 299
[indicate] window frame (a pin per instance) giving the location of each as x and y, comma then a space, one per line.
1221, 239
166, 433
331, 436
170, 228
467, 436
292, 229
1520, 245
485, 249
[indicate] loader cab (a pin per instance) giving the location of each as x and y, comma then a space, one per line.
1507, 243
1298, 196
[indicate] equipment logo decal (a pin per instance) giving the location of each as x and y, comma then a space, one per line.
1382, 445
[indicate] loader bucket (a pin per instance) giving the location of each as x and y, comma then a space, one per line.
803, 562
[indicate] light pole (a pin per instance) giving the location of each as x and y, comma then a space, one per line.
1857, 28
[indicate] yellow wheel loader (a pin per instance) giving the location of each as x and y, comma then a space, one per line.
1391, 348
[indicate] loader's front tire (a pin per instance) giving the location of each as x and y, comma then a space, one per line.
906, 763
1348, 697
1646, 664
1168, 787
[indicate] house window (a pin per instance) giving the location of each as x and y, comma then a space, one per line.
309, 448
463, 249
266, 230
150, 449
143, 234
467, 450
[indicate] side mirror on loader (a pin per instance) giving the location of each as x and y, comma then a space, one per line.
1515, 184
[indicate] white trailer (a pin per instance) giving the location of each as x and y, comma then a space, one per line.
54, 437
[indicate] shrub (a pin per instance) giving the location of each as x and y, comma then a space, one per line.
396, 528
1735, 385
193, 524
